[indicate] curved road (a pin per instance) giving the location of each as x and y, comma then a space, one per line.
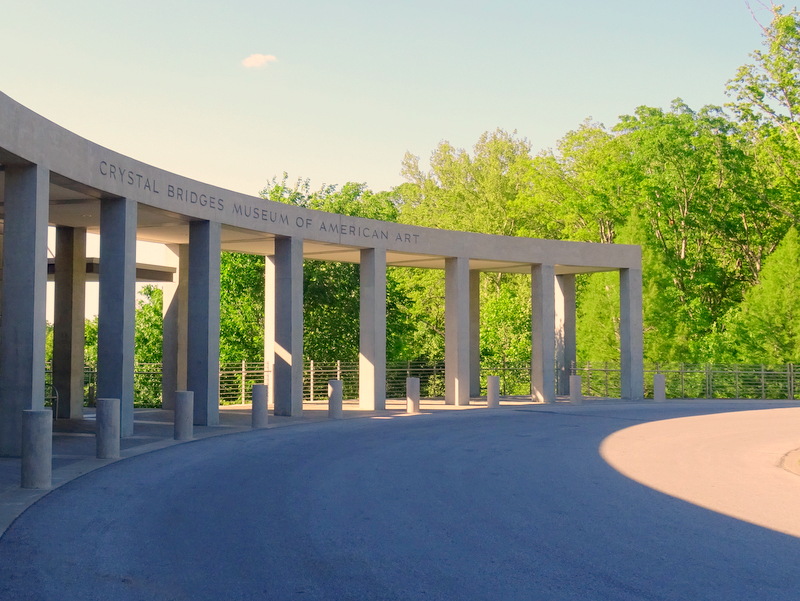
506, 505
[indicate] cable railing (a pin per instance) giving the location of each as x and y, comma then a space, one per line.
683, 380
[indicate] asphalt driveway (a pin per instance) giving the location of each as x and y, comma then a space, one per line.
506, 505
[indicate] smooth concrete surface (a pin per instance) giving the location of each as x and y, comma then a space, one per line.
631, 337
474, 333
493, 392
543, 345
69, 316
259, 417
175, 328
108, 429
457, 331
202, 362
412, 395
372, 329
335, 399
565, 526
22, 320
284, 329
575, 390
116, 321
184, 415
566, 350
659, 388
37, 449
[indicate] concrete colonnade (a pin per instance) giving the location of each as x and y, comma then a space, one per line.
191, 322
50, 175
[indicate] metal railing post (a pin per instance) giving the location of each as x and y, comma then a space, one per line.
311, 380
244, 377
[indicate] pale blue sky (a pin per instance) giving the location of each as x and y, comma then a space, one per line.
356, 83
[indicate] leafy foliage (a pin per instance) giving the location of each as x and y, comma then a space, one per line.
764, 328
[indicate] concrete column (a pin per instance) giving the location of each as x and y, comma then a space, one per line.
269, 327
259, 412
23, 303
335, 399
474, 333
68, 321
630, 334
575, 390
372, 315
412, 395
176, 329
183, 423
116, 319
565, 329
37, 449
202, 352
284, 328
543, 320
493, 392
457, 331
107, 426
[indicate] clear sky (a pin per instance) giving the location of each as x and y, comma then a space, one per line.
344, 88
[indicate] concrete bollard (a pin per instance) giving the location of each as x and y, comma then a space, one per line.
259, 413
184, 415
37, 449
335, 399
493, 392
107, 430
659, 388
412, 395
575, 392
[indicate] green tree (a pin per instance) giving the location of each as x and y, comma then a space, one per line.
149, 337
763, 328
241, 307
588, 182
488, 191
704, 202
766, 102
